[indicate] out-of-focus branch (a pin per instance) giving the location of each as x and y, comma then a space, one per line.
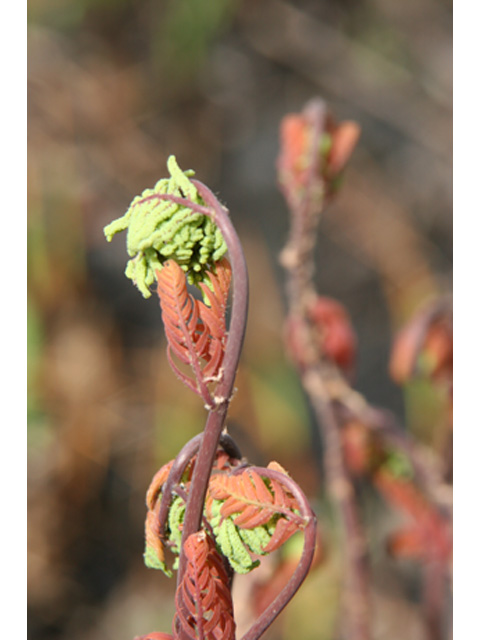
342, 492
305, 193
314, 152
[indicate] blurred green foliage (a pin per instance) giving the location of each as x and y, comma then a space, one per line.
183, 36
65, 15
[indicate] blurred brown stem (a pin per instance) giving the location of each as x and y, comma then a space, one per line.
335, 402
342, 492
298, 260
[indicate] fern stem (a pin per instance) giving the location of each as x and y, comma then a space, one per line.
298, 260
181, 462
236, 332
342, 491
217, 415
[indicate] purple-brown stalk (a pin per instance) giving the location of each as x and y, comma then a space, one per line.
333, 400
236, 332
297, 258
215, 423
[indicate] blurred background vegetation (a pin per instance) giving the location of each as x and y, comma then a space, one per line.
115, 86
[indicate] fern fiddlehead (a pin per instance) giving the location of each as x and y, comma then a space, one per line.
162, 229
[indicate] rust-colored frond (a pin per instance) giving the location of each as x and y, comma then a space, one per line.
183, 327
186, 333
195, 331
213, 313
204, 608
154, 539
284, 529
248, 495
154, 555
283, 498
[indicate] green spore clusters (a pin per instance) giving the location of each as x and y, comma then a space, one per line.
235, 542
176, 516
158, 230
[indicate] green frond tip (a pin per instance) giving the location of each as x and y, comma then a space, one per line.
158, 230
153, 562
236, 543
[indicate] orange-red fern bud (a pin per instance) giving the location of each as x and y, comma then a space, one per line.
335, 331
293, 159
305, 140
344, 140
332, 333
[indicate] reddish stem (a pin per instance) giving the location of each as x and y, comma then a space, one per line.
236, 332
298, 260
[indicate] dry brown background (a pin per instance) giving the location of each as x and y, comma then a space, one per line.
114, 88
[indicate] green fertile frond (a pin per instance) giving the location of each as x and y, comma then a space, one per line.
152, 557
158, 230
236, 543
175, 523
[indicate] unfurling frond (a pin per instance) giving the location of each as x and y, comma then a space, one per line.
154, 554
255, 500
165, 515
249, 513
159, 229
157, 483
